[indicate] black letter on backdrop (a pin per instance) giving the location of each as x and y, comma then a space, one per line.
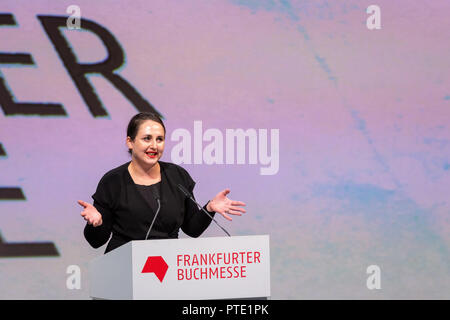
79, 71
7, 103
22, 249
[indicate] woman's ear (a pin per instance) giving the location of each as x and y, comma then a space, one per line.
129, 143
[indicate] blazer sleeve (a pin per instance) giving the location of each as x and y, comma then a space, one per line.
195, 220
104, 203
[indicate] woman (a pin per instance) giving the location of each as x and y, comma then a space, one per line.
125, 202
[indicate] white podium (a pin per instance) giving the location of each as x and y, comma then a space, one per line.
183, 269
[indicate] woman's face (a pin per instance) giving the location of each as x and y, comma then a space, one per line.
148, 146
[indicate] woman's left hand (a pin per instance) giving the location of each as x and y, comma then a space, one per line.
221, 204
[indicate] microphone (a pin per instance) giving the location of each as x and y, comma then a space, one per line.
188, 194
156, 195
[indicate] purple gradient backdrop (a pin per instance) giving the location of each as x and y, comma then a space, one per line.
364, 135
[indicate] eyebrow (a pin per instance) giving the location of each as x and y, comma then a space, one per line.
149, 135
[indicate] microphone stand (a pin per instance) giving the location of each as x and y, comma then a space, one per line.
187, 193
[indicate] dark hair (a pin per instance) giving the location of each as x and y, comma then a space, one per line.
136, 121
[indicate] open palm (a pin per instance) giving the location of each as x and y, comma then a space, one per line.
225, 206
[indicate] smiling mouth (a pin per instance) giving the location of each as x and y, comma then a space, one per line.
151, 154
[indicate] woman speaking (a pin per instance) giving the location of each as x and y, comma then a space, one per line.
128, 197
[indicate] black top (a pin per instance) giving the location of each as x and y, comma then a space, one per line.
150, 193
127, 213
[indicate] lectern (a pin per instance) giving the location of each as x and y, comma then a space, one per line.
177, 269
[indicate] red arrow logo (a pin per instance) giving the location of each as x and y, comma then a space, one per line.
156, 265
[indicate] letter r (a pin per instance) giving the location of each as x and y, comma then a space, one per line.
8, 104
79, 71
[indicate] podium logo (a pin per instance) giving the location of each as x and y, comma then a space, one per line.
156, 265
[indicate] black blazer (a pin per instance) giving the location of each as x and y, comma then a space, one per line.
127, 215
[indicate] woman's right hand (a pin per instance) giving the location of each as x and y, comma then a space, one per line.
90, 214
